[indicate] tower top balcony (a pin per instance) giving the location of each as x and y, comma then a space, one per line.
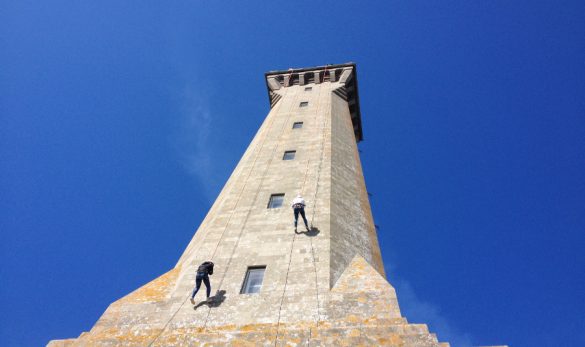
344, 74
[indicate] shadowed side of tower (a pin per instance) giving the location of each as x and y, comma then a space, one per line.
322, 287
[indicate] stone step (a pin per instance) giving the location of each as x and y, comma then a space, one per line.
385, 332
402, 329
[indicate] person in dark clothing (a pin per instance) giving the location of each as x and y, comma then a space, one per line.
203, 272
298, 205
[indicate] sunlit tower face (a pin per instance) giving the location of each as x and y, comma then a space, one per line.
273, 285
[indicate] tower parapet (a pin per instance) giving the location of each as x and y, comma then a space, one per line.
346, 74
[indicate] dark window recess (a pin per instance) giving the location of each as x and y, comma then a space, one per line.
253, 280
289, 155
297, 125
308, 89
276, 200
304, 104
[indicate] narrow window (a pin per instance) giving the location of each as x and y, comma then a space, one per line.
304, 104
276, 200
253, 281
297, 125
308, 89
289, 155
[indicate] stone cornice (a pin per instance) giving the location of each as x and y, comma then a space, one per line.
345, 74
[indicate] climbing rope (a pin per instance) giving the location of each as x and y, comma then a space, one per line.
282, 130
323, 128
220, 239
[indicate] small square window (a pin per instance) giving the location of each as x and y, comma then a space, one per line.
276, 200
308, 89
253, 280
289, 155
297, 125
304, 104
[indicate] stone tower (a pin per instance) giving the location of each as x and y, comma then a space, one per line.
272, 286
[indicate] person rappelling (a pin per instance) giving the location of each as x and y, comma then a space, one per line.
298, 205
203, 272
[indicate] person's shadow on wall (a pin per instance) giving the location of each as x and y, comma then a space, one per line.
213, 301
311, 233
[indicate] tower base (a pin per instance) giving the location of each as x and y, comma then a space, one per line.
360, 310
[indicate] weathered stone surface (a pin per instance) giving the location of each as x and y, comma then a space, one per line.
321, 288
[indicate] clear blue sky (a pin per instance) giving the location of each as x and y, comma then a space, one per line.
121, 121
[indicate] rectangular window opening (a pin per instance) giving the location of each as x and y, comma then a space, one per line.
297, 125
304, 104
253, 280
289, 155
308, 89
276, 200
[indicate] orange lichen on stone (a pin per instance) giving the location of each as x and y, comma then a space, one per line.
352, 319
241, 343
156, 290
352, 332
248, 327
360, 277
